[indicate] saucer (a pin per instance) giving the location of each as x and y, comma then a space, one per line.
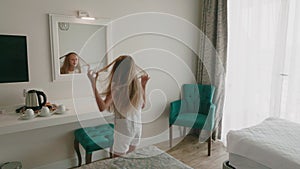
26, 117
45, 115
58, 112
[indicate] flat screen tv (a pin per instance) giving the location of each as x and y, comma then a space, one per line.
14, 61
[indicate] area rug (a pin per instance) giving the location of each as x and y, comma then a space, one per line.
149, 157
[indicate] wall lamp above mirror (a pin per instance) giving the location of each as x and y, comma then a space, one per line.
85, 15
78, 44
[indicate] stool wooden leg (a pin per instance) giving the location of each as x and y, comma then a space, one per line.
88, 158
110, 152
76, 147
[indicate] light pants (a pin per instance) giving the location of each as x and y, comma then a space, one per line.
126, 133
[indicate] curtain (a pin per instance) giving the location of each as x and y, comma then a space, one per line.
261, 79
211, 66
290, 96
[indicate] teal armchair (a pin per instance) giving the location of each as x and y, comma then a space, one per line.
194, 110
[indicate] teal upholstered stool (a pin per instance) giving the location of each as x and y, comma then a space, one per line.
93, 139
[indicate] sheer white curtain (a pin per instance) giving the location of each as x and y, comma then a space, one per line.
290, 102
262, 62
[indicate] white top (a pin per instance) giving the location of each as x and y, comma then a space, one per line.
76, 70
134, 115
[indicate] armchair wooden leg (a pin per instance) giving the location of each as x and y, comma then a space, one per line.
209, 145
76, 147
170, 135
88, 158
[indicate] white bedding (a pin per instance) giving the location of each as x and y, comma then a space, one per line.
274, 143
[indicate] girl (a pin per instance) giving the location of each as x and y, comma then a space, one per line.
125, 96
71, 64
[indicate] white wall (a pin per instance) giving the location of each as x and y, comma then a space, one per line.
168, 59
30, 18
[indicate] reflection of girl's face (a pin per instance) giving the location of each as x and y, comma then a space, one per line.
73, 60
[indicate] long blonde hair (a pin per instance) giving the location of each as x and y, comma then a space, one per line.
124, 85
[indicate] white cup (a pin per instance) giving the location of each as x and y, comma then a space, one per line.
29, 113
61, 109
45, 111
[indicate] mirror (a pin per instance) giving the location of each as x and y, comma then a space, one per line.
87, 38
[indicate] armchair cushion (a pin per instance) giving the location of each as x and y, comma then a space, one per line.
188, 118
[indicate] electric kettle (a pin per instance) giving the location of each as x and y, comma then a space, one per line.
35, 100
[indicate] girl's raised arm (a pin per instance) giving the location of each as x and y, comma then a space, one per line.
144, 80
102, 104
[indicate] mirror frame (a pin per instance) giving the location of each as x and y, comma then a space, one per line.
54, 19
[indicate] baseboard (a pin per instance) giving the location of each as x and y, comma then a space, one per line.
177, 132
73, 162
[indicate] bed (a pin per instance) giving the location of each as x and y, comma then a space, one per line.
274, 143
143, 158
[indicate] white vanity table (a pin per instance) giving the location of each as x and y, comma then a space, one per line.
29, 140
85, 109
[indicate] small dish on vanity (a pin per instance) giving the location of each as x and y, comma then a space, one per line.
60, 112
40, 114
45, 112
61, 109
26, 117
28, 114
